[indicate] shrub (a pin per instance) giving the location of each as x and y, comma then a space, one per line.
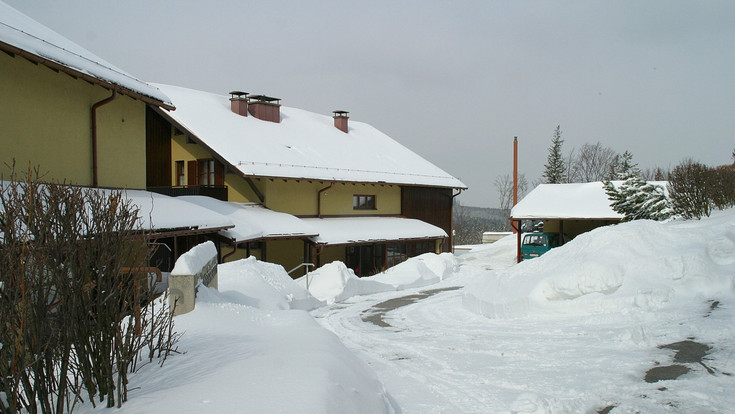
696, 189
75, 315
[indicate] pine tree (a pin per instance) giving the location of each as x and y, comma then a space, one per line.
554, 169
637, 199
622, 166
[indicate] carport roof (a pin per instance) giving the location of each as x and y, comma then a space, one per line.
585, 201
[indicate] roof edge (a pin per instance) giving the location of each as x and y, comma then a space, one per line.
13, 50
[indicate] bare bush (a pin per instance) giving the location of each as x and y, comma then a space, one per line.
77, 308
696, 189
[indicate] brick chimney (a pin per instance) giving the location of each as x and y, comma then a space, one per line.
239, 102
340, 120
266, 108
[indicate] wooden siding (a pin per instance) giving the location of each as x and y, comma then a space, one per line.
157, 150
432, 205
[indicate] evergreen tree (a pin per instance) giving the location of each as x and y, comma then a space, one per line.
622, 166
554, 170
637, 199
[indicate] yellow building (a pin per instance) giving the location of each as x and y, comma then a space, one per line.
365, 199
67, 111
318, 188
77, 119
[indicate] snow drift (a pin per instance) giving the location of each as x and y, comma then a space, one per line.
641, 265
335, 282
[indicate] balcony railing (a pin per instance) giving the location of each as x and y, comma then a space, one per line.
218, 192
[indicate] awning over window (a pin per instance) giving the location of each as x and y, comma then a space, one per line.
253, 221
352, 230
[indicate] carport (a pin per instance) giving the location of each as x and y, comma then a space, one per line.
570, 209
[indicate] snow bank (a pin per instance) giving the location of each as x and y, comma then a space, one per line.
335, 282
240, 359
498, 255
643, 265
263, 285
245, 351
191, 262
424, 270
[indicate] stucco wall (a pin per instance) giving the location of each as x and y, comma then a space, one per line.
45, 120
300, 198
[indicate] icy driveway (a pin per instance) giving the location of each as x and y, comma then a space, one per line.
437, 357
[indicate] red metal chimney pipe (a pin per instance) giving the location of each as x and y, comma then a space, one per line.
515, 171
517, 228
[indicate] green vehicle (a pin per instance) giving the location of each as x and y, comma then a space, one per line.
536, 244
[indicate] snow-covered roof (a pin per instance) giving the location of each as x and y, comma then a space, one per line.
158, 212
346, 230
566, 201
304, 145
253, 221
19, 34
161, 212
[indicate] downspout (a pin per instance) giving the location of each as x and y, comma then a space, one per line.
318, 254
451, 224
319, 199
105, 101
234, 250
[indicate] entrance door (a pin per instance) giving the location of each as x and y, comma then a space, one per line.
365, 260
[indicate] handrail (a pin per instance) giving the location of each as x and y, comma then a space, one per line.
306, 265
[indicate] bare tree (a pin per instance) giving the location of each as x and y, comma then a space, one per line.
504, 185
593, 163
571, 168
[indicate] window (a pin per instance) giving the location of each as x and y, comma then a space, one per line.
423, 247
394, 254
363, 202
180, 173
206, 172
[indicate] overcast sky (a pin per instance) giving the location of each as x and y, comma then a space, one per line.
454, 81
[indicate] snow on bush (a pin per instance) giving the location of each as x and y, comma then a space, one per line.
642, 265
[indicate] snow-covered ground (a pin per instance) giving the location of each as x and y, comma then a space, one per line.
637, 317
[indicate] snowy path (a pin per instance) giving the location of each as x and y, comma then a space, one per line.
437, 357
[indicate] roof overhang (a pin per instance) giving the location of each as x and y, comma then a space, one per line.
369, 230
56, 66
253, 222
